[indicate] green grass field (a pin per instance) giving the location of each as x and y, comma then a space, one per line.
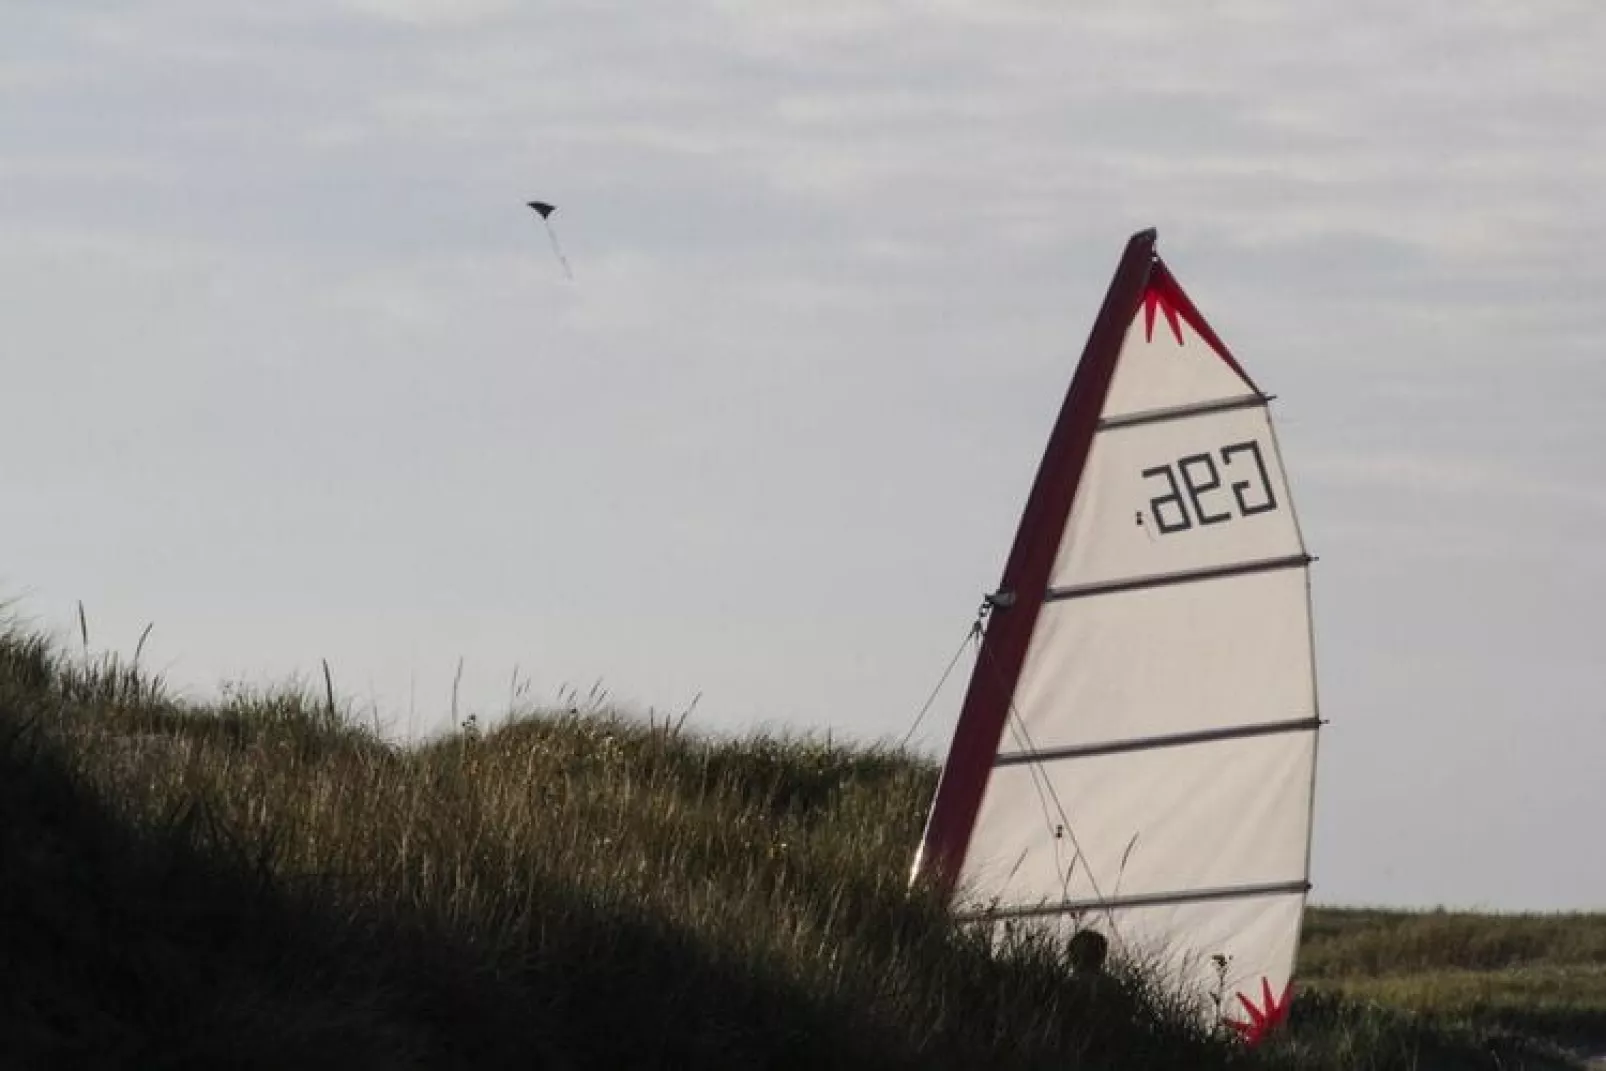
261, 883
1526, 974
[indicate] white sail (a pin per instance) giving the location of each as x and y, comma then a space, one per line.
1156, 730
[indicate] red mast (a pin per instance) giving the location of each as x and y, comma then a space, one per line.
1026, 576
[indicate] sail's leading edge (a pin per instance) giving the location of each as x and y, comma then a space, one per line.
1136, 752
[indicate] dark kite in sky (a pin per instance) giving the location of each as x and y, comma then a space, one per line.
545, 210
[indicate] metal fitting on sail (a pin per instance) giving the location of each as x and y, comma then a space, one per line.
999, 600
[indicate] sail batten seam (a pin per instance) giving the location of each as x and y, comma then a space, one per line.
1185, 576
1160, 899
1150, 743
1181, 412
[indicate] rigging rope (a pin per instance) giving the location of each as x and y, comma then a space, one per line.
1040, 779
971, 633
1045, 792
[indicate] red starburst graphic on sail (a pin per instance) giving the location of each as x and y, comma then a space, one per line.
1156, 298
1265, 1018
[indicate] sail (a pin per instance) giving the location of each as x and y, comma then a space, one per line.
1136, 752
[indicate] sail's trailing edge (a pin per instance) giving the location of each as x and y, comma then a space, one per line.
1136, 749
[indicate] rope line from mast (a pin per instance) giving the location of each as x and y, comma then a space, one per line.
972, 633
1045, 791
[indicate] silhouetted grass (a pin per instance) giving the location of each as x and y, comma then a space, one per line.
260, 883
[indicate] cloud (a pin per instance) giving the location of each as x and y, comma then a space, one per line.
432, 13
1453, 477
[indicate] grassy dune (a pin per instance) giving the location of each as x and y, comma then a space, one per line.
1533, 974
259, 883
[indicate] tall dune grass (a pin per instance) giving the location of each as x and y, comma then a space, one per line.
261, 882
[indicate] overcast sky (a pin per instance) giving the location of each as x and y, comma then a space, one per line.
290, 371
